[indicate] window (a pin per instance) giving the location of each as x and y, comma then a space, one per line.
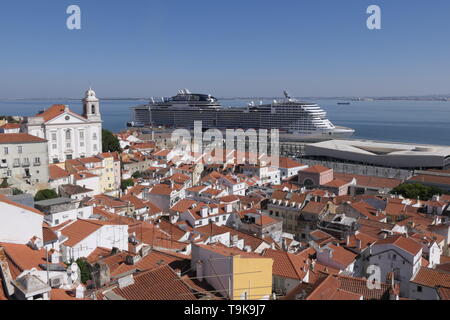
55, 160
54, 146
16, 162
95, 147
20, 149
394, 257
37, 161
26, 162
54, 136
94, 136
68, 135
419, 289
6, 150
9, 173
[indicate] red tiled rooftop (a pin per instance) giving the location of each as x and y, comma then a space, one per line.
12, 138
407, 244
161, 283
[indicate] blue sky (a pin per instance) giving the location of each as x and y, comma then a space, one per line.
227, 48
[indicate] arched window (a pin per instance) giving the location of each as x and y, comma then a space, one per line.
68, 135
93, 109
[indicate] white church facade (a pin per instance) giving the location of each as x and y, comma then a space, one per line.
70, 135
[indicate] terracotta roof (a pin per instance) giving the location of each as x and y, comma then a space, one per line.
315, 207
13, 138
432, 278
49, 235
21, 257
55, 172
316, 169
444, 293
73, 189
80, 230
154, 260
431, 179
8, 126
288, 265
135, 201
369, 181
367, 210
336, 183
55, 111
338, 287
407, 244
161, 189
288, 163
341, 255
161, 283
183, 205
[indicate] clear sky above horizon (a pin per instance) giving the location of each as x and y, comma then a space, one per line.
227, 48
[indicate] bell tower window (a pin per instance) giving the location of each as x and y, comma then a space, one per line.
93, 109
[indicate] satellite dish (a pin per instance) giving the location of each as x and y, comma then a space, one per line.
74, 273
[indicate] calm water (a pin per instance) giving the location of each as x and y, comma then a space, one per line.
407, 121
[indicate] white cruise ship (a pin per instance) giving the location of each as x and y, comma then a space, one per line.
297, 121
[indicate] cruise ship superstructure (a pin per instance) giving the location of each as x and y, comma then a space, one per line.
297, 121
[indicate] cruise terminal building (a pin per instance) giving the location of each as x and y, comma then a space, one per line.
384, 154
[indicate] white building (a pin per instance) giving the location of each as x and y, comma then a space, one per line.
400, 255
19, 224
82, 237
69, 134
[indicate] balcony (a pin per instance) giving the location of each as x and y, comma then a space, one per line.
37, 164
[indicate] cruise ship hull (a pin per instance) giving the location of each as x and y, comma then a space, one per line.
296, 121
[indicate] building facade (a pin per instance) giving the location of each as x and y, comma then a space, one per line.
69, 134
23, 160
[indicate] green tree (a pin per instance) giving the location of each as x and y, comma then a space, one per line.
416, 190
45, 194
126, 183
85, 270
110, 142
137, 175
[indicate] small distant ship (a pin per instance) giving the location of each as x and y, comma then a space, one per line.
296, 120
344, 103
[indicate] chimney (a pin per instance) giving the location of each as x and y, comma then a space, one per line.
284, 245
358, 244
79, 292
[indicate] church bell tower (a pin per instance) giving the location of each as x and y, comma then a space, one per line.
91, 106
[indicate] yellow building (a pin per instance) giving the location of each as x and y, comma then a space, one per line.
235, 274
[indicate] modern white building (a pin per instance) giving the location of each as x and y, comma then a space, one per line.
69, 134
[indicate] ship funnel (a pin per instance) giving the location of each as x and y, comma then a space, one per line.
286, 94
